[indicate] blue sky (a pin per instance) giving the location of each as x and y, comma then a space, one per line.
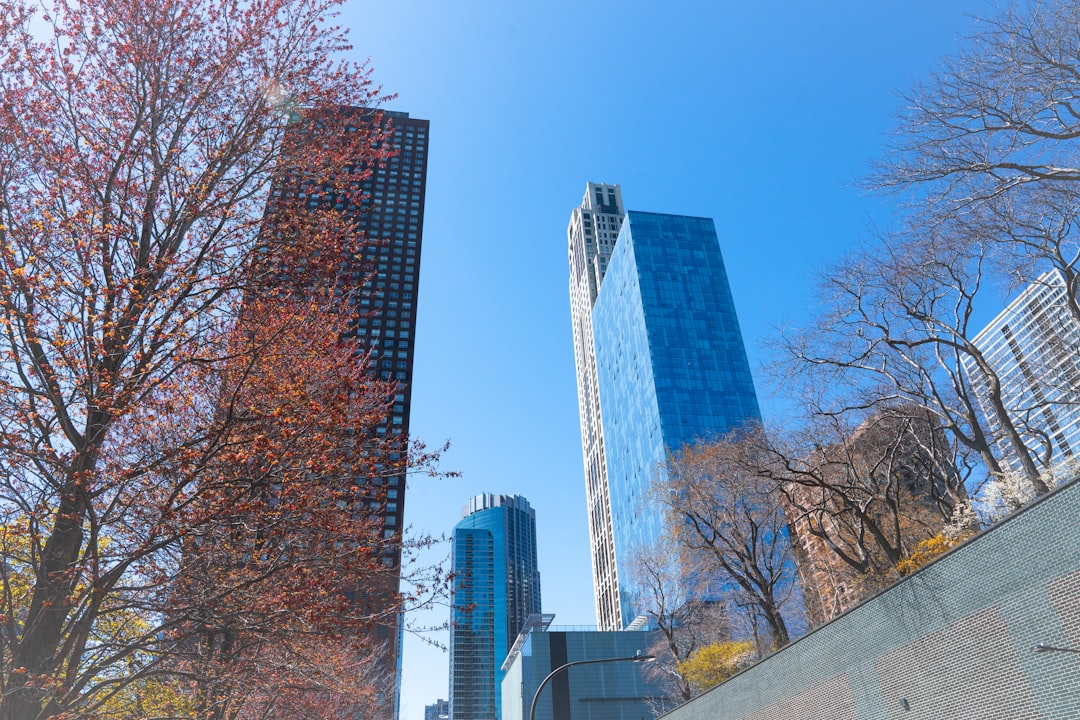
762, 115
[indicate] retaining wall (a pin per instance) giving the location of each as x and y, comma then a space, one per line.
952, 641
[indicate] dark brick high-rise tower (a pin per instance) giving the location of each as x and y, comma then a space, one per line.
388, 217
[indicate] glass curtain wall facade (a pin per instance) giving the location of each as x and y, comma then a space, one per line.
496, 588
604, 691
1034, 348
668, 368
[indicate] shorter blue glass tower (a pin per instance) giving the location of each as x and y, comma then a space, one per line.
670, 364
496, 588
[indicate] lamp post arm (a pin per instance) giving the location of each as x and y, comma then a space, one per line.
1043, 647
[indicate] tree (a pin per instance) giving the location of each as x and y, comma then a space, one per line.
862, 490
989, 142
987, 152
731, 530
715, 663
898, 328
180, 438
282, 572
684, 623
985, 159
931, 548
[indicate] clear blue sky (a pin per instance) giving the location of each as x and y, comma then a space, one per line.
761, 115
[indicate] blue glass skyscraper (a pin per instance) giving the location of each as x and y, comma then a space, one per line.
670, 369
496, 588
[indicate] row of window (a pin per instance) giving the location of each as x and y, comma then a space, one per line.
384, 248
378, 332
392, 305
377, 322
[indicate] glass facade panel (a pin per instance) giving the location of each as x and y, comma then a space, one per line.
603, 691
496, 588
670, 363
1031, 347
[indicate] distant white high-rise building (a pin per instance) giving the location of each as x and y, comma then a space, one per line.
594, 227
1033, 347
439, 711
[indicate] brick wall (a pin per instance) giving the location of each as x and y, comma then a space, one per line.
953, 640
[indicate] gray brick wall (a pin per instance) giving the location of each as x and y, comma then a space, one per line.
951, 641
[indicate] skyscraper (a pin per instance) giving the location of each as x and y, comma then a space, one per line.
392, 227
594, 226
387, 215
1033, 347
439, 711
496, 588
660, 363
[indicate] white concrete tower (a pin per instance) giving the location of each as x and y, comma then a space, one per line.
1033, 347
593, 229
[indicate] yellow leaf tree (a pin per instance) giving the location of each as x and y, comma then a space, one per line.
715, 663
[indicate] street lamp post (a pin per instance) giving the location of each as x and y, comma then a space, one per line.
1043, 647
567, 666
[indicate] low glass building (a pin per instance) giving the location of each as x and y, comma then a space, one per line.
602, 691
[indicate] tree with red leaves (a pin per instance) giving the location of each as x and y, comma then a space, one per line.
182, 426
